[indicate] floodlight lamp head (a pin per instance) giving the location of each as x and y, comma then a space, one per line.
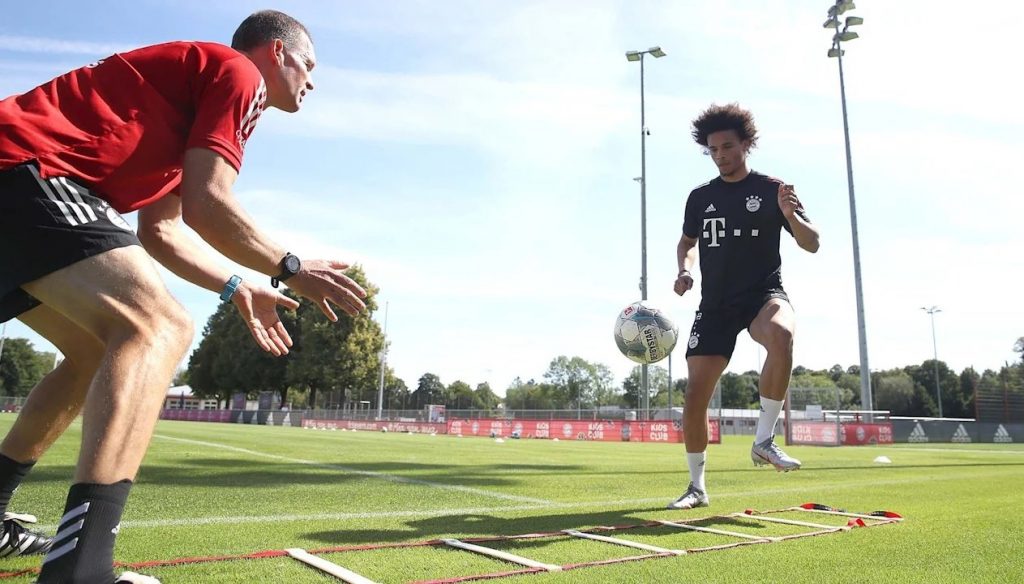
632, 55
656, 52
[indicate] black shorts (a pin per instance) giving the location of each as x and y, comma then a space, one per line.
47, 225
714, 331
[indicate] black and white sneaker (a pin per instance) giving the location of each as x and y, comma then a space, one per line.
17, 540
133, 578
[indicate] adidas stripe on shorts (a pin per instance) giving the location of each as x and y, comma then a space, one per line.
46, 225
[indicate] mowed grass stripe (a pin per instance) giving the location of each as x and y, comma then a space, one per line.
367, 473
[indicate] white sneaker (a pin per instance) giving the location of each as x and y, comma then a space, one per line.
768, 453
691, 499
133, 578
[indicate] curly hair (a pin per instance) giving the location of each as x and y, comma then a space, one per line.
718, 118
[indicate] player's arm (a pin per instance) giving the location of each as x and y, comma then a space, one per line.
686, 257
805, 234
161, 234
209, 207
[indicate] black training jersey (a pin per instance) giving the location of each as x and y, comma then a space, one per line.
738, 225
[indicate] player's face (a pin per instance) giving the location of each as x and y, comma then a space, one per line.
728, 152
294, 75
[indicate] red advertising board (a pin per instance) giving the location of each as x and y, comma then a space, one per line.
849, 433
602, 430
370, 426
857, 434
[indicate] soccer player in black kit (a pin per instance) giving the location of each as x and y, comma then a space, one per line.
737, 220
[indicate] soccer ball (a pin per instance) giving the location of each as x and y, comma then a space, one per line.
644, 334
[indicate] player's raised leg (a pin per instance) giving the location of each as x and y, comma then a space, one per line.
773, 328
117, 297
704, 371
49, 409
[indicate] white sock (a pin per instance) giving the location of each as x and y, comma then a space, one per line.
770, 410
696, 461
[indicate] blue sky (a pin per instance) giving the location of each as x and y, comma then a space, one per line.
477, 158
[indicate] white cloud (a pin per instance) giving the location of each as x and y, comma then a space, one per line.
32, 44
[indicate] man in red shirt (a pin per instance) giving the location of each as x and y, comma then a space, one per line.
161, 130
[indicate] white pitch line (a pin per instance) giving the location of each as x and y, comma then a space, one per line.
241, 519
975, 451
366, 473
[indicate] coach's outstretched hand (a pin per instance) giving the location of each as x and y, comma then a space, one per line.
258, 307
325, 283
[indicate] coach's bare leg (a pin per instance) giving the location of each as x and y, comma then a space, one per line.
773, 329
118, 298
704, 372
55, 401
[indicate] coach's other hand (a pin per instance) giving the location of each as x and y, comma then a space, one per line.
683, 282
325, 283
258, 307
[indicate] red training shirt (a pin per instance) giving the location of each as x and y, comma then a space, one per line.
121, 126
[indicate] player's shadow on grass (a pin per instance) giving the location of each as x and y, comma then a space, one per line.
478, 525
271, 474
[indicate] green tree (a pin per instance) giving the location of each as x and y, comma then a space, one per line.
969, 381
678, 392
180, 377
396, 392
227, 360
484, 398
428, 391
342, 355
459, 396
657, 381
954, 403
606, 393
21, 367
338, 356
739, 391
1018, 347
531, 395
851, 384
573, 380
895, 391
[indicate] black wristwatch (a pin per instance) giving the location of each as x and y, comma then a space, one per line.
290, 265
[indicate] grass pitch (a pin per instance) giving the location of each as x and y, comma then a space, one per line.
221, 489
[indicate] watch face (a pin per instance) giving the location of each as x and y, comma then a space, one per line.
292, 264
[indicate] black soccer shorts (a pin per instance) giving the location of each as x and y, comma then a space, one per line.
46, 225
714, 331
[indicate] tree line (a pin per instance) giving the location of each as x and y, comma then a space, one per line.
333, 365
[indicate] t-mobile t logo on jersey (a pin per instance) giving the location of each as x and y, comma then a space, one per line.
714, 227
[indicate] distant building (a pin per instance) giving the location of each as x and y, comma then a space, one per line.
181, 398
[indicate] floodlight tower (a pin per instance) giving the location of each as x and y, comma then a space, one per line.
657, 53
834, 12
